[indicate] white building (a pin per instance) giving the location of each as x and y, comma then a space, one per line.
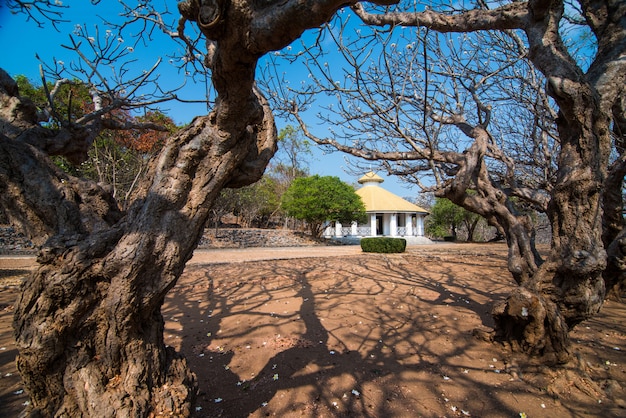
387, 215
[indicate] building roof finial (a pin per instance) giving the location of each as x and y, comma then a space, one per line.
370, 177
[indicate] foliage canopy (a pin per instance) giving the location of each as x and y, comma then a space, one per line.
318, 199
445, 218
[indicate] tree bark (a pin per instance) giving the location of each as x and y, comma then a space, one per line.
88, 323
613, 229
568, 287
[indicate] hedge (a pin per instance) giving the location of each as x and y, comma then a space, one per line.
383, 245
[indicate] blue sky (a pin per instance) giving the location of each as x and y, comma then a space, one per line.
22, 41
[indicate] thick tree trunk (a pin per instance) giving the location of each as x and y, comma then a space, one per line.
568, 288
614, 231
556, 294
88, 323
92, 345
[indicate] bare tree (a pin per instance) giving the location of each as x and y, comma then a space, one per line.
291, 158
422, 110
39, 11
88, 323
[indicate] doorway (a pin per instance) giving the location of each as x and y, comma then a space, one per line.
379, 225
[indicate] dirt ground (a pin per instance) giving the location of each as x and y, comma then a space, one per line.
362, 335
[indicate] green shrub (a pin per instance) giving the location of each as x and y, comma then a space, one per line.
383, 245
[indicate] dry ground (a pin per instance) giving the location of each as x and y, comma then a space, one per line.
365, 335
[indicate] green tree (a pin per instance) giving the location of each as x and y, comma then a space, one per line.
318, 199
30, 90
223, 205
446, 217
120, 157
255, 204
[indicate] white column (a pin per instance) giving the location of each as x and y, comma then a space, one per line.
338, 229
354, 229
420, 226
408, 224
373, 224
393, 225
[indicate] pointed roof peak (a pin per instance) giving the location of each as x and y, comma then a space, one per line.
377, 199
370, 177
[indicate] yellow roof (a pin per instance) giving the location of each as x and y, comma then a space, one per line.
377, 199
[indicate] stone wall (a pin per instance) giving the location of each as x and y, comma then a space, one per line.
246, 238
12, 242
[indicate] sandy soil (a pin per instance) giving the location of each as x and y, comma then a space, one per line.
348, 334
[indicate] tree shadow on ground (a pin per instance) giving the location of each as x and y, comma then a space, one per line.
368, 336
